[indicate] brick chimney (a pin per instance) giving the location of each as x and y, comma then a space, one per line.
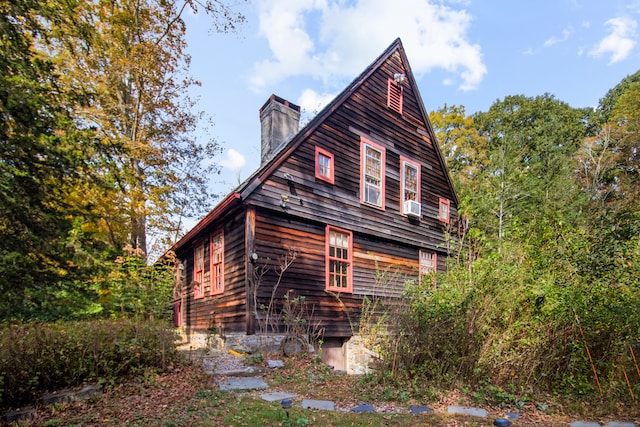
279, 121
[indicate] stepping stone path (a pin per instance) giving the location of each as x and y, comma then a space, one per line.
419, 409
247, 379
363, 407
277, 396
243, 383
325, 405
467, 410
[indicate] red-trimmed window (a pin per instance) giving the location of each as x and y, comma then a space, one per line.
324, 165
177, 295
443, 210
394, 96
217, 263
372, 174
198, 271
339, 260
410, 186
428, 264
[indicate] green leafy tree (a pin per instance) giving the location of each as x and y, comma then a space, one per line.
465, 151
531, 146
42, 156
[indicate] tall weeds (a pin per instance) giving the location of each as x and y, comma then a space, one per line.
39, 357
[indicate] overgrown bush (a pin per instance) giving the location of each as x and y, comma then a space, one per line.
523, 318
40, 357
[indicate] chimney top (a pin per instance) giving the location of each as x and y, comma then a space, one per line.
282, 101
279, 121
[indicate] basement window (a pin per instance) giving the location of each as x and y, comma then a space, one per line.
394, 96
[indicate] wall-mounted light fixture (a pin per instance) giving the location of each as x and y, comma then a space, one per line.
283, 201
398, 77
253, 257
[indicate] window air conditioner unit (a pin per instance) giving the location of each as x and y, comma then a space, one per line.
412, 208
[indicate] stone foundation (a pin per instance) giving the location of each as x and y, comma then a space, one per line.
350, 355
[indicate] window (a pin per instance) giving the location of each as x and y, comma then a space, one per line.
339, 258
443, 211
428, 264
324, 165
410, 182
198, 271
177, 295
372, 163
217, 263
394, 96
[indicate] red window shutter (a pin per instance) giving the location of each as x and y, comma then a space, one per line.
394, 96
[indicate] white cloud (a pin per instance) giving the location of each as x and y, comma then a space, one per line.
233, 160
313, 102
566, 33
334, 39
619, 43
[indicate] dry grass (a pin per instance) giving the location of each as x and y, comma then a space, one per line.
188, 397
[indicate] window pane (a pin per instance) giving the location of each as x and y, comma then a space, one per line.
338, 262
410, 182
325, 165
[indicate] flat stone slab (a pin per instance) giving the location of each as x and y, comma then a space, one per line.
277, 396
363, 407
512, 415
584, 424
242, 383
468, 410
249, 371
619, 424
272, 364
419, 409
326, 405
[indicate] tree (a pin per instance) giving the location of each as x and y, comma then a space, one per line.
152, 168
531, 145
42, 153
465, 151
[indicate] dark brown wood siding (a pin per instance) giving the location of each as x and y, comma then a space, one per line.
380, 267
227, 310
365, 114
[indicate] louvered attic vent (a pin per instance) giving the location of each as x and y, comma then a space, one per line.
394, 96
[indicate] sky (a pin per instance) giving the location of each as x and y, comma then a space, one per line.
468, 53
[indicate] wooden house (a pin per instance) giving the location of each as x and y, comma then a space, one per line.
362, 188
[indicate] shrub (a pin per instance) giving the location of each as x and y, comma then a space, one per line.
40, 357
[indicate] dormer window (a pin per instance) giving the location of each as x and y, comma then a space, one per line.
394, 96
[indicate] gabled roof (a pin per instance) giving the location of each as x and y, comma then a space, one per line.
246, 188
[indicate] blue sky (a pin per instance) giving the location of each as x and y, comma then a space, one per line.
462, 52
